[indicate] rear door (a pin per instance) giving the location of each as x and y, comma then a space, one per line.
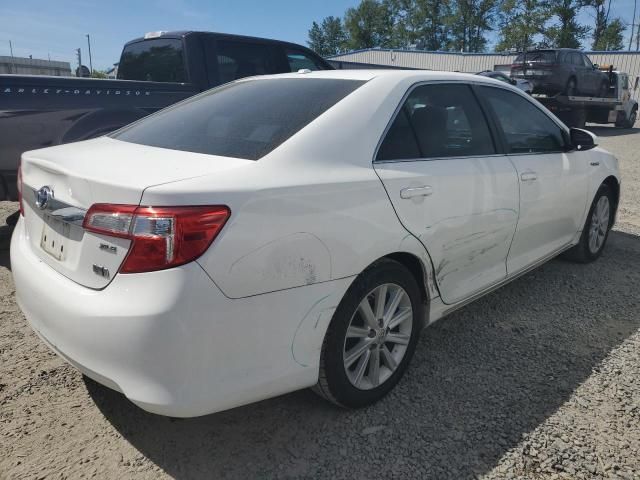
450, 187
553, 181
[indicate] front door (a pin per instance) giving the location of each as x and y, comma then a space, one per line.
553, 181
450, 188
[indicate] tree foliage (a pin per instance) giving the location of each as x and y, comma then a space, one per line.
464, 25
612, 37
521, 21
566, 32
328, 38
369, 25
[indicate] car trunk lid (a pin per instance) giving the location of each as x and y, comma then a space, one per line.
60, 184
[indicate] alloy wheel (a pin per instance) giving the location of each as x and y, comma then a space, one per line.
378, 336
599, 224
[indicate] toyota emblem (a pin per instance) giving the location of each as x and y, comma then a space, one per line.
43, 196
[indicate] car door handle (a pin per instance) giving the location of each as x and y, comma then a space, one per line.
411, 192
528, 176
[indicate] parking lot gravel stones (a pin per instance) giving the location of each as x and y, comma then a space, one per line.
539, 380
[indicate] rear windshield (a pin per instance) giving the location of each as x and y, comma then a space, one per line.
158, 60
545, 56
243, 119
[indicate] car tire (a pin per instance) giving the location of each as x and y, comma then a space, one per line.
596, 228
360, 364
571, 89
631, 121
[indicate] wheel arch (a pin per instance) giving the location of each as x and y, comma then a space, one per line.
417, 269
613, 183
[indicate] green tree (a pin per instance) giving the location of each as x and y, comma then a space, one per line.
316, 40
369, 25
426, 23
521, 21
601, 9
470, 22
328, 38
566, 32
335, 36
612, 37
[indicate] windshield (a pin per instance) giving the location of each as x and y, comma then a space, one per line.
542, 56
246, 119
158, 60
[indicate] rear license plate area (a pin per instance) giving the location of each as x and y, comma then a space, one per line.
55, 236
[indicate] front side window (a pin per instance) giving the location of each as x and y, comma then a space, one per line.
299, 60
242, 119
157, 60
240, 59
587, 62
526, 128
438, 120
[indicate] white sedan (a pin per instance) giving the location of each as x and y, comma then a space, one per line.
297, 230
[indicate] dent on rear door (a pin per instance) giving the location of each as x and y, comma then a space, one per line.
467, 223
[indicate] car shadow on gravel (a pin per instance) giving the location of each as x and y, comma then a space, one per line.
480, 380
612, 131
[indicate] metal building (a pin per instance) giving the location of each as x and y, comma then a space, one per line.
34, 66
476, 62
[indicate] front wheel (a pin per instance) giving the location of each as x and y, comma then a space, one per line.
631, 121
372, 336
596, 229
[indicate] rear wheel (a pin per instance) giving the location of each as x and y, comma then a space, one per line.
372, 336
596, 229
571, 90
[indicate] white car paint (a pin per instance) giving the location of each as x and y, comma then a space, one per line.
246, 320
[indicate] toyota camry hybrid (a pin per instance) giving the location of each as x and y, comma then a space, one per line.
296, 230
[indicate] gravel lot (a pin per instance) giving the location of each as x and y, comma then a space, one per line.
538, 380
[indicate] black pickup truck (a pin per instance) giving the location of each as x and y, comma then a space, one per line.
154, 72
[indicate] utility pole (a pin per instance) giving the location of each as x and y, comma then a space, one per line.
633, 23
13, 65
90, 63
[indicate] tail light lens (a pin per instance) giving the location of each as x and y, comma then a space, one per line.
162, 237
19, 187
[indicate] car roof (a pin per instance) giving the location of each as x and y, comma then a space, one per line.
183, 33
369, 74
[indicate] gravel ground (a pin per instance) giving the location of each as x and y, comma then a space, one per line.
538, 380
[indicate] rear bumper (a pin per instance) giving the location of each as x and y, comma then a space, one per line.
170, 340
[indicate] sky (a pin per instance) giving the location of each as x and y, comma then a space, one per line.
47, 29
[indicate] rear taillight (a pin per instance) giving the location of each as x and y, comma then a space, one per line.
19, 187
161, 237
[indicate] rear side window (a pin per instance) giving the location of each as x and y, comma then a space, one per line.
526, 128
438, 120
300, 60
243, 119
158, 60
240, 59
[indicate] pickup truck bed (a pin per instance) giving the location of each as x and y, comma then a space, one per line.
39, 111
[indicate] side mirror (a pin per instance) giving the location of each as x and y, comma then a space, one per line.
582, 139
513, 81
596, 66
